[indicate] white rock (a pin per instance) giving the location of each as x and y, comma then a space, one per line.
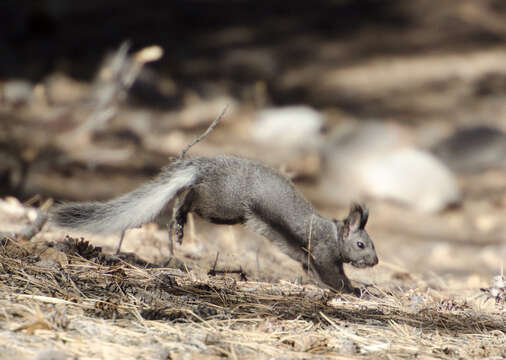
375, 160
410, 176
17, 92
289, 127
12, 208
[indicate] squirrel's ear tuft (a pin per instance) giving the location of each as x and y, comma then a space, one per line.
357, 218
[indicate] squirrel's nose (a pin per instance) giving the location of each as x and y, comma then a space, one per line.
375, 260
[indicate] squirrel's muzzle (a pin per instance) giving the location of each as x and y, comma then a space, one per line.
367, 261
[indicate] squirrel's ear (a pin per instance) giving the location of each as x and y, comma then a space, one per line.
357, 218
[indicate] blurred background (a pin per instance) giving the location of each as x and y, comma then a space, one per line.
397, 104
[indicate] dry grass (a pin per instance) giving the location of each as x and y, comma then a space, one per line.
73, 299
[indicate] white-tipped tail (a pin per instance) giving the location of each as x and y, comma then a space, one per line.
130, 210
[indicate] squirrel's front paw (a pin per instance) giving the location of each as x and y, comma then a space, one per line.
358, 292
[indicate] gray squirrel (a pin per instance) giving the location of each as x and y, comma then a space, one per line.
233, 190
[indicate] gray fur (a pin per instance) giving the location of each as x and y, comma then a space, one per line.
232, 190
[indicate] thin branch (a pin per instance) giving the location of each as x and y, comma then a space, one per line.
115, 78
33, 229
214, 272
215, 261
204, 135
240, 272
309, 244
29, 231
118, 249
170, 226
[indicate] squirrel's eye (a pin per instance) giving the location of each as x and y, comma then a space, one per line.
360, 244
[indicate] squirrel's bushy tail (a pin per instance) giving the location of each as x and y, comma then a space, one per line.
133, 209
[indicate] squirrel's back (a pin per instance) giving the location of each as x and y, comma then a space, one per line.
231, 187
225, 189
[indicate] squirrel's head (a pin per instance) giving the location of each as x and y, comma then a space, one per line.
357, 247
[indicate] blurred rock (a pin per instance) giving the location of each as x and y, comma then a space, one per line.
473, 149
294, 127
413, 177
62, 89
17, 92
374, 160
12, 210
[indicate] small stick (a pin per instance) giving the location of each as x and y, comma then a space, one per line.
309, 244
32, 200
257, 260
33, 229
204, 135
191, 225
213, 271
240, 271
120, 242
170, 227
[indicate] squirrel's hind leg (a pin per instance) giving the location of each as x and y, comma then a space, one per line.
181, 215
